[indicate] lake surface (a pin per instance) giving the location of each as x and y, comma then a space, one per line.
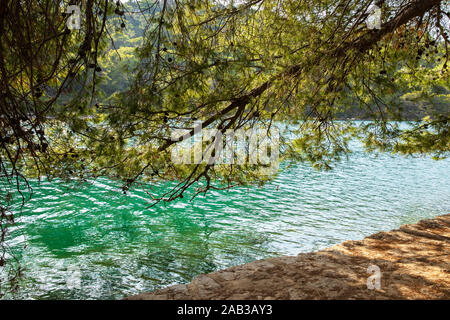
91, 241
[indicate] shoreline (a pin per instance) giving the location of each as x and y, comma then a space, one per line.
414, 262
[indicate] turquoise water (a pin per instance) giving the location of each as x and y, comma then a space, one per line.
117, 246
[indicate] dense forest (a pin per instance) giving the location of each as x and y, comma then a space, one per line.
120, 60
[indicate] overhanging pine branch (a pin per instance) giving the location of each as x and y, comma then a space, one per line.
365, 42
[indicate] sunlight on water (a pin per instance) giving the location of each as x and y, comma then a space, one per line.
121, 247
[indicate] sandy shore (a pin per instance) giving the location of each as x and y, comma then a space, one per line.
414, 262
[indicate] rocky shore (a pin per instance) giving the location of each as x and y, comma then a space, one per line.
414, 262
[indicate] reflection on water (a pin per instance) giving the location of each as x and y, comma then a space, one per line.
121, 247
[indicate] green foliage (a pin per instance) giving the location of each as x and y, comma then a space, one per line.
103, 101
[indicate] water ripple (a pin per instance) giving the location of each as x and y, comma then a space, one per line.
121, 247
